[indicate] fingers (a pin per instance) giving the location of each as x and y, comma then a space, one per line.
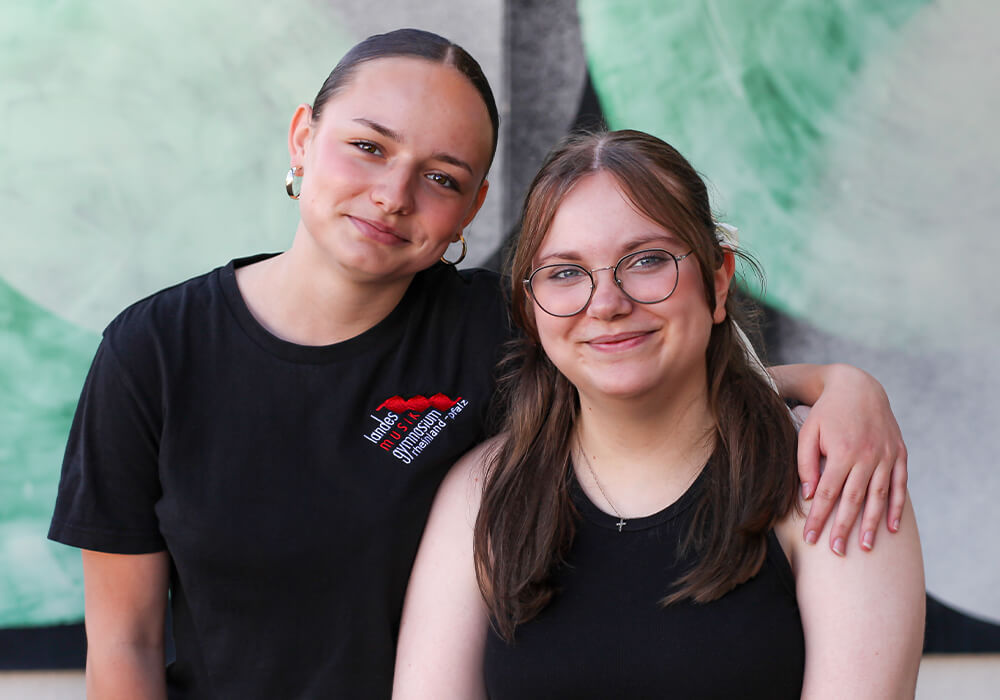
827, 491
875, 506
897, 492
852, 460
852, 498
808, 455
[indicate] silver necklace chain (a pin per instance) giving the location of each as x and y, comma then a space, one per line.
621, 521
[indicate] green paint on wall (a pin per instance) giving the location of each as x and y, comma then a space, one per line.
43, 361
150, 141
762, 97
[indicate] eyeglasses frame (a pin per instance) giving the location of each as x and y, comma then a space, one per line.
593, 283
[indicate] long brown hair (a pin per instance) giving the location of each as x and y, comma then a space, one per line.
526, 521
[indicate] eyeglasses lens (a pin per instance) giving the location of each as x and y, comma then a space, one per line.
646, 276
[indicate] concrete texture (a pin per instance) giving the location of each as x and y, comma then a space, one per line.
945, 402
546, 69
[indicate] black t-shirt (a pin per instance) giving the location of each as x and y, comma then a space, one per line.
289, 484
605, 635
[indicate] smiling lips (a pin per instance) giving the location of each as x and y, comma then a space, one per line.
618, 341
378, 231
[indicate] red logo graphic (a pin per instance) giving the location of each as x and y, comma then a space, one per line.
397, 404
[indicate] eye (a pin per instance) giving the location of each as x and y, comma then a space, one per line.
565, 274
367, 147
647, 260
443, 180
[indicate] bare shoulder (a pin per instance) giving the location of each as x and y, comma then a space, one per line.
862, 613
472, 465
891, 549
463, 486
444, 623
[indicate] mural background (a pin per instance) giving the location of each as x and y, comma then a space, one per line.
853, 143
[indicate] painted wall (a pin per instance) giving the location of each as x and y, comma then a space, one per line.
853, 143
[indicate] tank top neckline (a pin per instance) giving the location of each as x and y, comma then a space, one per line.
609, 521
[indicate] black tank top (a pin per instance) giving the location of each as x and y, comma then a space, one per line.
605, 635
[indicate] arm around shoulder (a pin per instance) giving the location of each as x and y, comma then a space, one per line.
125, 598
852, 425
443, 631
862, 613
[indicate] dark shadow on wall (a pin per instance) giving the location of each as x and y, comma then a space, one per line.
36, 648
949, 631
58, 647
588, 117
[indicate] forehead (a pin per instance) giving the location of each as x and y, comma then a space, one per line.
596, 218
430, 105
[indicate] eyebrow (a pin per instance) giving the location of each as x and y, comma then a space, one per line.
637, 242
380, 128
398, 138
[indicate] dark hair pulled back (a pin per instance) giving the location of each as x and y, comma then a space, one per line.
415, 43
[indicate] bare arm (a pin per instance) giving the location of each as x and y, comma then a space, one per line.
125, 598
852, 426
443, 631
862, 614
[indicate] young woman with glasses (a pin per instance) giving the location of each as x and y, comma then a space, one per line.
634, 530
264, 442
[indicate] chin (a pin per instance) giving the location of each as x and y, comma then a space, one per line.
619, 388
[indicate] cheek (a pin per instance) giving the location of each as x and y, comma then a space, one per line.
691, 292
442, 223
543, 323
554, 337
444, 216
332, 164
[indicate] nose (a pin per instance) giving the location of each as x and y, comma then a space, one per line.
392, 191
608, 300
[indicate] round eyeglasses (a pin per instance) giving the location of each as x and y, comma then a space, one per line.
645, 276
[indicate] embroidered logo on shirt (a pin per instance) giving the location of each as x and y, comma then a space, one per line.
418, 403
409, 426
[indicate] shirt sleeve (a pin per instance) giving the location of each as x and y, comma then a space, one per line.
110, 483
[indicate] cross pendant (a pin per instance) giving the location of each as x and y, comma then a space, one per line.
620, 524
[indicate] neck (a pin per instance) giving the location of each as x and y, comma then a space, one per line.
301, 297
644, 454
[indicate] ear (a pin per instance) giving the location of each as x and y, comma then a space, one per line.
476, 204
722, 278
299, 132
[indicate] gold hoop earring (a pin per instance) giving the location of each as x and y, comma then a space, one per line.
465, 249
293, 172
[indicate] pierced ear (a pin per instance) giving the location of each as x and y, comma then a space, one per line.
299, 131
723, 277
